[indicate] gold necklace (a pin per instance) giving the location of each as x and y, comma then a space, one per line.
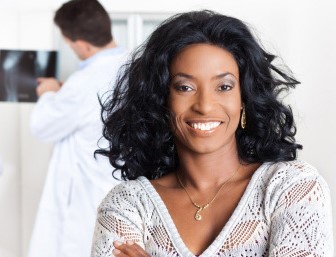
200, 208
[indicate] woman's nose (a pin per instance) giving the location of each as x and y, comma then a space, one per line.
203, 102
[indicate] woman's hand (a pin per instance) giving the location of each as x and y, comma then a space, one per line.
128, 249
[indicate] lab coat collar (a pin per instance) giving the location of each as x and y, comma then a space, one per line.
105, 52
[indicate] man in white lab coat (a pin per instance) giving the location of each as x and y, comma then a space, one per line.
68, 115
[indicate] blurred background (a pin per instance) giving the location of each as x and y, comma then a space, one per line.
302, 33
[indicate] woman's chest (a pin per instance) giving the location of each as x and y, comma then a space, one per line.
233, 230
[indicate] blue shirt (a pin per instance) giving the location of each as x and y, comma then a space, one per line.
104, 52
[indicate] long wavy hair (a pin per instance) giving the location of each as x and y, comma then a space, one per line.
136, 116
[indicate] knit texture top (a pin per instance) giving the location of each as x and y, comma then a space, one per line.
284, 211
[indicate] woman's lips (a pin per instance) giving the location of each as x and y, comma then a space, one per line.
204, 127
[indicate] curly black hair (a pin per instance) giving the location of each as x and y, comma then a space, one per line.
136, 116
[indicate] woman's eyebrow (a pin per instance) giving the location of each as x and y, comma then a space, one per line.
182, 75
188, 76
222, 75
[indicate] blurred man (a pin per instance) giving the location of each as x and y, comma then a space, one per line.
68, 115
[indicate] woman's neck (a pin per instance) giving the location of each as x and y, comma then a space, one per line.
203, 171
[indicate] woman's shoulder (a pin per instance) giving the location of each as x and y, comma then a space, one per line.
292, 179
285, 171
125, 193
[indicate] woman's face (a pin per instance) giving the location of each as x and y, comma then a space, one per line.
205, 99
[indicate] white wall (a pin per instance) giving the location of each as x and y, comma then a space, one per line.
25, 159
302, 32
10, 219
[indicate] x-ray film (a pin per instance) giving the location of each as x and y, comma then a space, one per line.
19, 70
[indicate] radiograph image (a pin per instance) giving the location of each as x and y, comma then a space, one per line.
19, 70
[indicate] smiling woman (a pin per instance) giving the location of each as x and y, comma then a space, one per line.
196, 127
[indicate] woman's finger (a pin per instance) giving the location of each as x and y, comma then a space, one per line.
137, 248
129, 249
116, 252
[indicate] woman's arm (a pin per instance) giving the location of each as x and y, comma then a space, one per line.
111, 226
118, 219
301, 224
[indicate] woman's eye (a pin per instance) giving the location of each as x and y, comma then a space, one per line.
183, 88
225, 87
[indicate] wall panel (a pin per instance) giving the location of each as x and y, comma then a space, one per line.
10, 181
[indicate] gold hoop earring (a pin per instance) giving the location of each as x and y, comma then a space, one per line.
243, 118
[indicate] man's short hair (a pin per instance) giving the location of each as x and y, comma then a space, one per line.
85, 20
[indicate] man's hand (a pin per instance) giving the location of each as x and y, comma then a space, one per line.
47, 85
128, 249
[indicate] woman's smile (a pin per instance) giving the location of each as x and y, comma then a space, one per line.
204, 126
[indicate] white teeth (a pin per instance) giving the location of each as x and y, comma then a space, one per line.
204, 126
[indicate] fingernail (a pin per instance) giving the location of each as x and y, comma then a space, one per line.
129, 242
117, 243
115, 251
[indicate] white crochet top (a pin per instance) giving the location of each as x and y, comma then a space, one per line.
284, 211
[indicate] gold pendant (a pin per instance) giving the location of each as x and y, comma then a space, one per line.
198, 216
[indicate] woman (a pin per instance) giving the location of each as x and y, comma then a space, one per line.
209, 151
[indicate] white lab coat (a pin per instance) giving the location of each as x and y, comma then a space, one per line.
76, 182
